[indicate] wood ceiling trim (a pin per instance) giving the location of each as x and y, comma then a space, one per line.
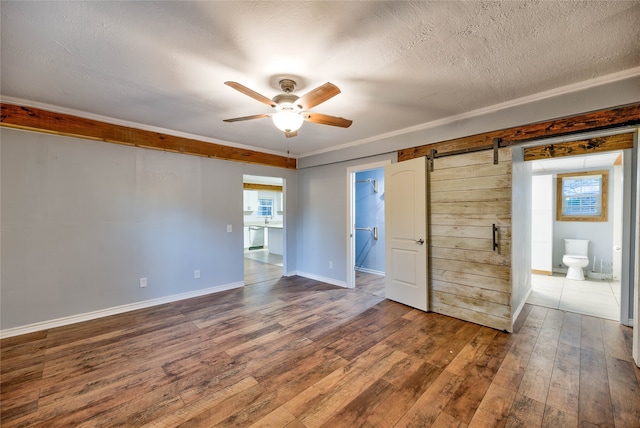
34, 119
580, 147
257, 186
616, 117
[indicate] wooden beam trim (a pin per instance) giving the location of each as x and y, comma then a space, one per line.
256, 186
580, 147
618, 161
33, 119
603, 119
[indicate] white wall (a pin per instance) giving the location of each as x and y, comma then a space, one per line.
322, 199
83, 220
521, 202
617, 218
542, 216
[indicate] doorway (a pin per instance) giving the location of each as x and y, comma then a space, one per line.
599, 294
263, 228
365, 227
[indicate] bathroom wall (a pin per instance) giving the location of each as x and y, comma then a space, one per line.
369, 213
599, 234
542, 219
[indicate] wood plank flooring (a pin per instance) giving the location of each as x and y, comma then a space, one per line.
256, 270
294, 352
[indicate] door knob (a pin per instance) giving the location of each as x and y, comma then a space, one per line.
420, 241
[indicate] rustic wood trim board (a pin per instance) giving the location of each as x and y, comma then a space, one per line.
34, 119
603, 119
580, 147
257, 186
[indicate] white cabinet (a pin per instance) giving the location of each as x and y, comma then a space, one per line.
247, 237
275, 240
250, 200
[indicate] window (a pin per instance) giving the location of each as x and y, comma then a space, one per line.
265, 207
582, 196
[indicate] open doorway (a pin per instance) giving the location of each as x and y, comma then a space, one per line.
263, 216
599, 291
366, 229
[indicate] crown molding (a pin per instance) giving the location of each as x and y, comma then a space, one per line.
562, 90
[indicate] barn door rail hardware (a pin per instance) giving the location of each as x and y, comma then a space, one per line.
497, 144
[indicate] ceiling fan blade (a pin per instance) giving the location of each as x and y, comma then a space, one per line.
317, 96
291, 134
325, 119
250, 92
255, 116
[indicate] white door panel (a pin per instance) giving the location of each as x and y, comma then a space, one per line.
406, 229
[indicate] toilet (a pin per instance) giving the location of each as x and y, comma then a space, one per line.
576, 256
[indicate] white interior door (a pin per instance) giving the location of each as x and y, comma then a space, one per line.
406, 233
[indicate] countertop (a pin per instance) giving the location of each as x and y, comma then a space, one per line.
272, 225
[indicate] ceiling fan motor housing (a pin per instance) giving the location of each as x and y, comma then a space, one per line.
287, 85
286, 102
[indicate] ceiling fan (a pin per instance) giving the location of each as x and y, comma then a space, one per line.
290, 110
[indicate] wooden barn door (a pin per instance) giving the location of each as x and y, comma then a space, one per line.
469, 278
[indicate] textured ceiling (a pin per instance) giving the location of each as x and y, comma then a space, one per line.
601, 160
398, 64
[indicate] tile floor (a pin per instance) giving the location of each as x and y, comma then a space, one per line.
264, 256
598, 298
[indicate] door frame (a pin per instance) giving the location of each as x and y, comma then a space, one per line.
284, 219
628, 199
351, 216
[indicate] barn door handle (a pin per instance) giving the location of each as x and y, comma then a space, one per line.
495, 231
420, 241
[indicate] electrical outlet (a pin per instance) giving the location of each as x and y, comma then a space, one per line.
229, 228
196, 274
330, 265
143, 282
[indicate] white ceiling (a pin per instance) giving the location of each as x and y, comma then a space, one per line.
575, 163
398, 64
256, 179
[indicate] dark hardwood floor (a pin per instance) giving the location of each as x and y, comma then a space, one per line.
293, 352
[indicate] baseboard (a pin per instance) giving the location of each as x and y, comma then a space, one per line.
59, 322
371, 271
331, 281
541, 272
516, 313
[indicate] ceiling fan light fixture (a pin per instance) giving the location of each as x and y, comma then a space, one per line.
287, 120
291, 110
